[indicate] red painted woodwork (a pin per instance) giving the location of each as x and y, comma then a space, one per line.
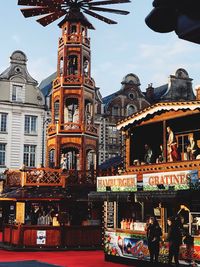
56, 237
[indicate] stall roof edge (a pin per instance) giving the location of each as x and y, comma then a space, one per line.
111, 196
161, 106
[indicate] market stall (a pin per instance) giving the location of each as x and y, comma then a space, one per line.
125, 239
39, 219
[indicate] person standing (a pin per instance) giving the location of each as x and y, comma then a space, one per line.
172, 149
174, 238
154, 233
148, 155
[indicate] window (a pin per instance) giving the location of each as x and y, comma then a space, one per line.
113, 141
131, 96
115, 111
17, 93
56, 110
182, 145
130, 110
112, 131
3, 122
29, 155
72, 65
2, 154
30, 124
112, 155
52, 158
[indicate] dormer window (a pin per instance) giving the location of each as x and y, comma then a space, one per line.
17, 93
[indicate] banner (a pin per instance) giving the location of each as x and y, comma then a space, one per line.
120, 183
178, 180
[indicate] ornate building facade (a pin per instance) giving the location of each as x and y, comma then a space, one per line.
22, 116
123, 103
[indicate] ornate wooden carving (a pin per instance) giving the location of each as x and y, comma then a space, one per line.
13, 178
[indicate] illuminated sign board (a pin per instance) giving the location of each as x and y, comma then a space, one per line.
120, 183
178, 180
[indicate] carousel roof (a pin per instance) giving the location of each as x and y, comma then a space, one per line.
158, 107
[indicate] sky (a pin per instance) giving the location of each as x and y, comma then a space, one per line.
116, 50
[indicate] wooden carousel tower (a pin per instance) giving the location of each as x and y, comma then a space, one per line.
72, 136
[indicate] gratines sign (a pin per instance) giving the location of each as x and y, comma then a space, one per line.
179, 180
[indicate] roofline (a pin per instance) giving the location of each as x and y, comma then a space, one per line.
192, 105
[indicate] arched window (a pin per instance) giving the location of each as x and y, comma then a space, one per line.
85, 66
130, 110
56, 110
91, 160
72, 65
88, 111
69, 158
71, 113
52, 158
61, 66
73, 29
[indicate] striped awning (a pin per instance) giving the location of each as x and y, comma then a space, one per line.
161, 106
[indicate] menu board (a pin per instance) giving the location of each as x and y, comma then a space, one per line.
110, 214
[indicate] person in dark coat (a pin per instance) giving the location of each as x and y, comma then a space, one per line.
154, 233
174, 237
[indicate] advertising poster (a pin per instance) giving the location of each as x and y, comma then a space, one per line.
135, 246
117, 183
41, 237
128, 246
178, 180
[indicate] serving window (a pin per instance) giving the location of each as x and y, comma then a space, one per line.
169, 141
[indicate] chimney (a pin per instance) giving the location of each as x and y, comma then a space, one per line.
198, 92
150, 92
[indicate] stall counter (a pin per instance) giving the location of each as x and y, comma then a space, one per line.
51, 237
129, 244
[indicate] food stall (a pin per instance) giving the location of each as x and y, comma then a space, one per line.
39, 217
162, 152
124, 223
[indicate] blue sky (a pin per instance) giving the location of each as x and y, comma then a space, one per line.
116, 50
